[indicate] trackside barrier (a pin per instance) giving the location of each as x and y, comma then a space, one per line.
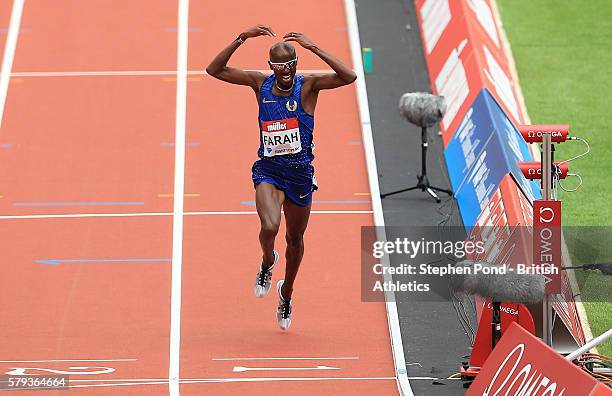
483, 145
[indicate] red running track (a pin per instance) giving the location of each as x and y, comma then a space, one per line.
88, 181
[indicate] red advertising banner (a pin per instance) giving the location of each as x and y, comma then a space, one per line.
521, 364
464, 53
547, 242
504, 225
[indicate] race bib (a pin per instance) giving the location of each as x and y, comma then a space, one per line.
281, 137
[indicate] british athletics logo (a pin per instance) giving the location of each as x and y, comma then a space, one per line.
281, 137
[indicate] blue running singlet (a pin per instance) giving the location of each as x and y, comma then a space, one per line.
285, 128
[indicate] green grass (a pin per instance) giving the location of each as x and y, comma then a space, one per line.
563, 54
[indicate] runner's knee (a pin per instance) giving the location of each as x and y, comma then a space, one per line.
270, 226
294, 239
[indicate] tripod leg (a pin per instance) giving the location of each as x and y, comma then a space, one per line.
422, 180
449, 192
433, 194
398, 191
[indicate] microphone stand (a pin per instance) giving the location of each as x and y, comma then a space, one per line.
422, 180
495, 323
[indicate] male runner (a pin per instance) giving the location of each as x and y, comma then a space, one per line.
283, 176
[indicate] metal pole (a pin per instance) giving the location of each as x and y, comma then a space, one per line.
424, 156
546, 166
547, 311
586, 347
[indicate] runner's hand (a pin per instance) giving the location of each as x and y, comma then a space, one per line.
258, 30
300, 39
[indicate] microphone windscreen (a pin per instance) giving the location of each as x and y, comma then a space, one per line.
421, 108
490, 283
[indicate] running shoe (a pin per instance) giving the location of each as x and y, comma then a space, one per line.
283, 312
263, 281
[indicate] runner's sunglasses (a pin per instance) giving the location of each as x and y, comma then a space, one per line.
281, 66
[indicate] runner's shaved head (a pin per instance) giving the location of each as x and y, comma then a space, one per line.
282, 51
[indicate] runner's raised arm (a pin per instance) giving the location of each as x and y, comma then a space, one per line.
342, 75
218, 67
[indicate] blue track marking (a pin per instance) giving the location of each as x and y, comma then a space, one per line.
128, 260
352, 201
74, 203
6, 145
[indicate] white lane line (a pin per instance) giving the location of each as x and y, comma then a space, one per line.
68, 360
233, 379
241, 369
287, 358
120, 73
179, 191
152, 214
224, 380
9, 53
368, 144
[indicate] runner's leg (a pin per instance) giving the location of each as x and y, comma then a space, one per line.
268, 200
296, 218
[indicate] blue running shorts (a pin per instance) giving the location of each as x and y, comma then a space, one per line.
298, 183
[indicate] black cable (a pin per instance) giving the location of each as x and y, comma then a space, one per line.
605, 268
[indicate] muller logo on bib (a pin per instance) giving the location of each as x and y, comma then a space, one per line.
281, 137
276, 126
